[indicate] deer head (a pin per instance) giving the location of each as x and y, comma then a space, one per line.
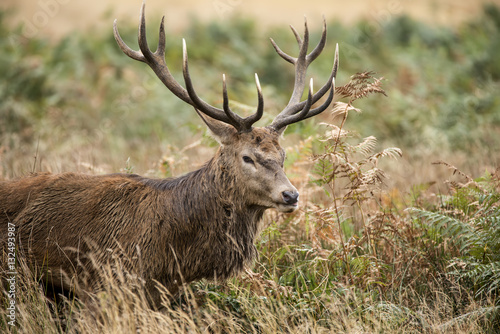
252, 155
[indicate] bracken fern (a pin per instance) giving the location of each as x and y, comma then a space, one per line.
349, 174
470, 219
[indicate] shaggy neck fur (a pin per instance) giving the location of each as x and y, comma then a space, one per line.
221, 227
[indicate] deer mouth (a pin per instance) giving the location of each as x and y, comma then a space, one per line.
289, 201
287, 208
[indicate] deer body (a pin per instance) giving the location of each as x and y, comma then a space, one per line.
171, 231
200, 225
188, 226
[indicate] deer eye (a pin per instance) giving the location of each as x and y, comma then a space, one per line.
247, 159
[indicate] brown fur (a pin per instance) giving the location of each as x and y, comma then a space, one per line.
200, 225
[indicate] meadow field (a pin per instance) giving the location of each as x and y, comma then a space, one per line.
399, 225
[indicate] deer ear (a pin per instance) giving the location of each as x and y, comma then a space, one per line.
221, 131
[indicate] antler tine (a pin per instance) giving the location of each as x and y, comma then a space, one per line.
260, 107
225, 115
287, 116
141, 36
250, 120
303, 44
303, 113
301, 65
284, 120
160, 50
282, 54
285, 56
321, 108
297, 35
157, 63
321, 45
155, 60
232, 116
322, 91
124, 47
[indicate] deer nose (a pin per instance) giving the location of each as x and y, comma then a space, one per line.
290, 197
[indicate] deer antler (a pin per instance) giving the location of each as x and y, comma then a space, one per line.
295, 110
157, 63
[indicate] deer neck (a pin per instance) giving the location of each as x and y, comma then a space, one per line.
224, 189
217, 203
214, 192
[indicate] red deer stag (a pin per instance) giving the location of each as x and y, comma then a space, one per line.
199, 225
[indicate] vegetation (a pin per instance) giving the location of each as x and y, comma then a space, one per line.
369, 251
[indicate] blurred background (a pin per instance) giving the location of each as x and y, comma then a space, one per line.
70, 100
56, 18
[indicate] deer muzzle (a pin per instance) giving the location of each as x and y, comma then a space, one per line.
290, 197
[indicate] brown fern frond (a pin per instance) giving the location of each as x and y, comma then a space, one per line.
455, 169
341, 108
458, 185
366, 146
372, 177
334, 132
391, 152
361, 85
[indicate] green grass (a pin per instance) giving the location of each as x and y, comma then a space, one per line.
418, 255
